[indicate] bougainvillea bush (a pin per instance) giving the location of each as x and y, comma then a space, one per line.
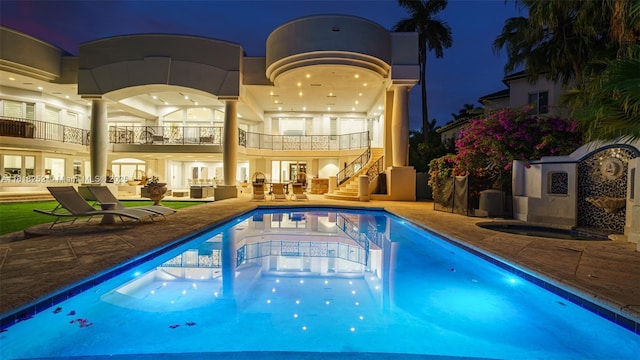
487, 147
440, 179
493, 142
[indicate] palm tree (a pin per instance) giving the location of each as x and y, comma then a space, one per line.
467, 111
608, 104
433, 34
559, 38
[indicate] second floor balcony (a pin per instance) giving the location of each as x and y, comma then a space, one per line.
175, 135
192, 136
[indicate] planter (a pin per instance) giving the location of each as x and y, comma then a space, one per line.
156, 192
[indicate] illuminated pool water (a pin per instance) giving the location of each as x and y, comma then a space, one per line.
316, 281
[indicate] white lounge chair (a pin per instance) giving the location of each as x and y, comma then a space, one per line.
258, 192
102, 194
277, 192
71, 205
298, 192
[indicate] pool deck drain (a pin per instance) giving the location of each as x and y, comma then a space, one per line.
603, 272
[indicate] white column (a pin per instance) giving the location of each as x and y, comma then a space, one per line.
99, 141
400, 126
230, 142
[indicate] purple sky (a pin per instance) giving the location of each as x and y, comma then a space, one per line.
468, 70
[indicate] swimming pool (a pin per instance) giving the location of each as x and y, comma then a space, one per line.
317, 281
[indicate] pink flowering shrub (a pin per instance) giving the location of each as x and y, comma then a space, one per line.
490, 144
487, 147
440, 175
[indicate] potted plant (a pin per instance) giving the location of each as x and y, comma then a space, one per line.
156, 189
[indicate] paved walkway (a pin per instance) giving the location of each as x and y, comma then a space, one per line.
607, 272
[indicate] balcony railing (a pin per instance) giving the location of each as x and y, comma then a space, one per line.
304, 142
166, 135
41, 130
181, 135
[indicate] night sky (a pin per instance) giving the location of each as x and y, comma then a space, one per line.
468, 70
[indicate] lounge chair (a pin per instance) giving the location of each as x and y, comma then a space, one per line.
72, 205
298, 192
258, 192
277, 192
103, 195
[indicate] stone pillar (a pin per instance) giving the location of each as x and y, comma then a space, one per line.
99, 141
363, 187
333, 184
230, 142
632, 221
400, 125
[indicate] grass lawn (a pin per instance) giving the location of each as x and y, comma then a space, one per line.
19, 216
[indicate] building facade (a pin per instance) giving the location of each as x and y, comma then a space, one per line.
193, 110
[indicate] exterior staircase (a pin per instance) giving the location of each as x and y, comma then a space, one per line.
350, 188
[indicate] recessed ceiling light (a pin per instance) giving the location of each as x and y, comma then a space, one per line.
304, 108
271, 93
300, 93
279, 108
356, 76
12, 79
40, 88
308, 76
365, 84
299, 84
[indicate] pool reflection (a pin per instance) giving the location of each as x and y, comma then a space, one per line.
269, 257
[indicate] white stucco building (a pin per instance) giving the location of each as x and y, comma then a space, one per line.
193, 110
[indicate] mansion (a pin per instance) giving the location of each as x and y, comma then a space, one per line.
194, 111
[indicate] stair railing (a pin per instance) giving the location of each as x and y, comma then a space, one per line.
375, 169
351, 169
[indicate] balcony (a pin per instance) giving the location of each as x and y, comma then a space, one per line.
41, 130
192, 136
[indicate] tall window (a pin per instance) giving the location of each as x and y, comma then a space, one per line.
18, 165
20, 110
540, 102
333, 128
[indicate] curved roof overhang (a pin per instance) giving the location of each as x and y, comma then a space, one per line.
363, 61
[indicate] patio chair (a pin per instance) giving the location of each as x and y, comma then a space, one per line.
103, 195
258, 192
72, 205
298, 192
277, 192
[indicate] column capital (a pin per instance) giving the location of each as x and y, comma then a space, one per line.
399, 84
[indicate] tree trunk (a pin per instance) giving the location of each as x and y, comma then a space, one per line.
425, 109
